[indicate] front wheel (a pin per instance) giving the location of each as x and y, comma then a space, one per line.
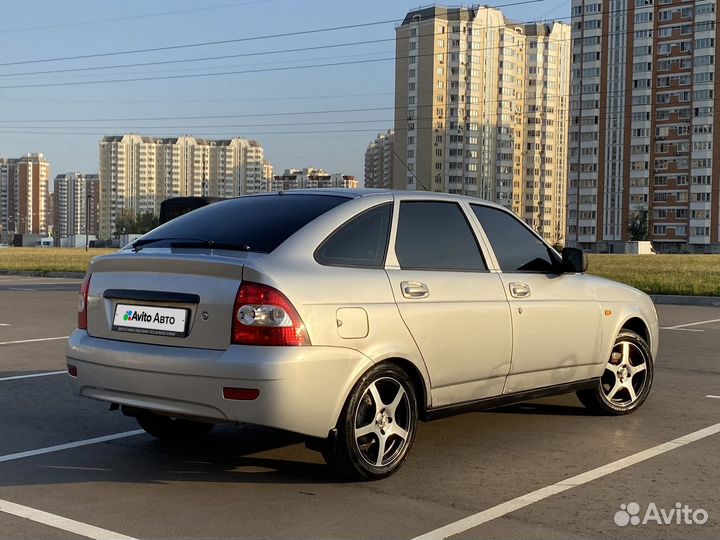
167, 428
377, 425
626, 381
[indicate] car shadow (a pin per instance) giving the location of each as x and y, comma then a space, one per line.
244, 455
550, 409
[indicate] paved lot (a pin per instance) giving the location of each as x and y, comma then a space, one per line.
255, 483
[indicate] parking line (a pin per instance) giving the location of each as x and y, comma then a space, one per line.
690, 324
59, 522
32, 375
67, 446
517, 503
714, 397
4, 324
683, 329
32, 340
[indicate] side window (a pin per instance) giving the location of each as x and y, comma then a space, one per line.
436, 236
361, 242
516, 248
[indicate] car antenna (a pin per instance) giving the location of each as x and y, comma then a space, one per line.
409, 170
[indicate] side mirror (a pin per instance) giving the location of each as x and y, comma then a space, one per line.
574, 260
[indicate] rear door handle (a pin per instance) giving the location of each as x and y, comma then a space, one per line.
519, 289
414, 289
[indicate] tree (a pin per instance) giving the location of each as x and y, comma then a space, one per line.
128, 223
638, 225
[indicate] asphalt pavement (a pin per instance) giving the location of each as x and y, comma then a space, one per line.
69, 468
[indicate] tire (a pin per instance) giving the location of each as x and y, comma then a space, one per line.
625, 384
171, 429
366, 426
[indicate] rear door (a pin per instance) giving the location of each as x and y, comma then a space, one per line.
454, 307
556, 317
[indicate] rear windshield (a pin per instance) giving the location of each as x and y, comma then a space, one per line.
261, 222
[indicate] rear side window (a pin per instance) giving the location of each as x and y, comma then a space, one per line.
361, 242
516, 248
436, 236
262, 222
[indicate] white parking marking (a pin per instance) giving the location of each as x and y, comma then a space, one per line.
505, 508
681, 329
32, 340
59, 522
32, 375
53, 520
4, 324
67, 446
714, 397
690, 324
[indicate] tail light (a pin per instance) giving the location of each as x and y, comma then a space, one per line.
263, 315
82, 302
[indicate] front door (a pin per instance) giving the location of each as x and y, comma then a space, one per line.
556, 317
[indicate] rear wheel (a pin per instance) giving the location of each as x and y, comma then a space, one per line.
172, 429
626, 381
377, 425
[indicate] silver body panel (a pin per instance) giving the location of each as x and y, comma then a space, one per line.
470, 338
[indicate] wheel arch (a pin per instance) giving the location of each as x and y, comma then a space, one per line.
418, 380
637, 325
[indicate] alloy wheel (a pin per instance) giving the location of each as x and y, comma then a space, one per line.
383, 422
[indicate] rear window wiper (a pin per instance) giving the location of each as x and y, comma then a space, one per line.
190, 243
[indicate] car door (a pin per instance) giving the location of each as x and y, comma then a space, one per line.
556, 316
454, 307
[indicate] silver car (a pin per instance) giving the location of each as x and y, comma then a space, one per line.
349, 315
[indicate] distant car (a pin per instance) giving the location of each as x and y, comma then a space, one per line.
347, 316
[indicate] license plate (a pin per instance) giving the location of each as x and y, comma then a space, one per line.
152, 320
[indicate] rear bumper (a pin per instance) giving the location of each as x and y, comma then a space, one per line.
302, 389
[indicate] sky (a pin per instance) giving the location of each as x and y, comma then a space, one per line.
316, 107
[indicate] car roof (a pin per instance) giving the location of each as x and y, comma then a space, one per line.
353, 193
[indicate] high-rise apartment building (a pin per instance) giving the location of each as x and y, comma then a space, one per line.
379, 160
7, 198
311, 178
644, 144
481, 108
24, 195
267, 172
137, 173
75, 204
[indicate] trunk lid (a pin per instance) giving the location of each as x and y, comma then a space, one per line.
162, 297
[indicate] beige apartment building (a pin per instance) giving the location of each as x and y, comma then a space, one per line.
379, 160
644, 144
481, 109
137, 172
24, 198
311, 178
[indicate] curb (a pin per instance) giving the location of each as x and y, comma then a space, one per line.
70, 275
679, 300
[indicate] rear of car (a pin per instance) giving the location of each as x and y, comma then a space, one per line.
182, 323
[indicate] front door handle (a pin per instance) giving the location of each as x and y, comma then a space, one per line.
414, 289
519, 289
